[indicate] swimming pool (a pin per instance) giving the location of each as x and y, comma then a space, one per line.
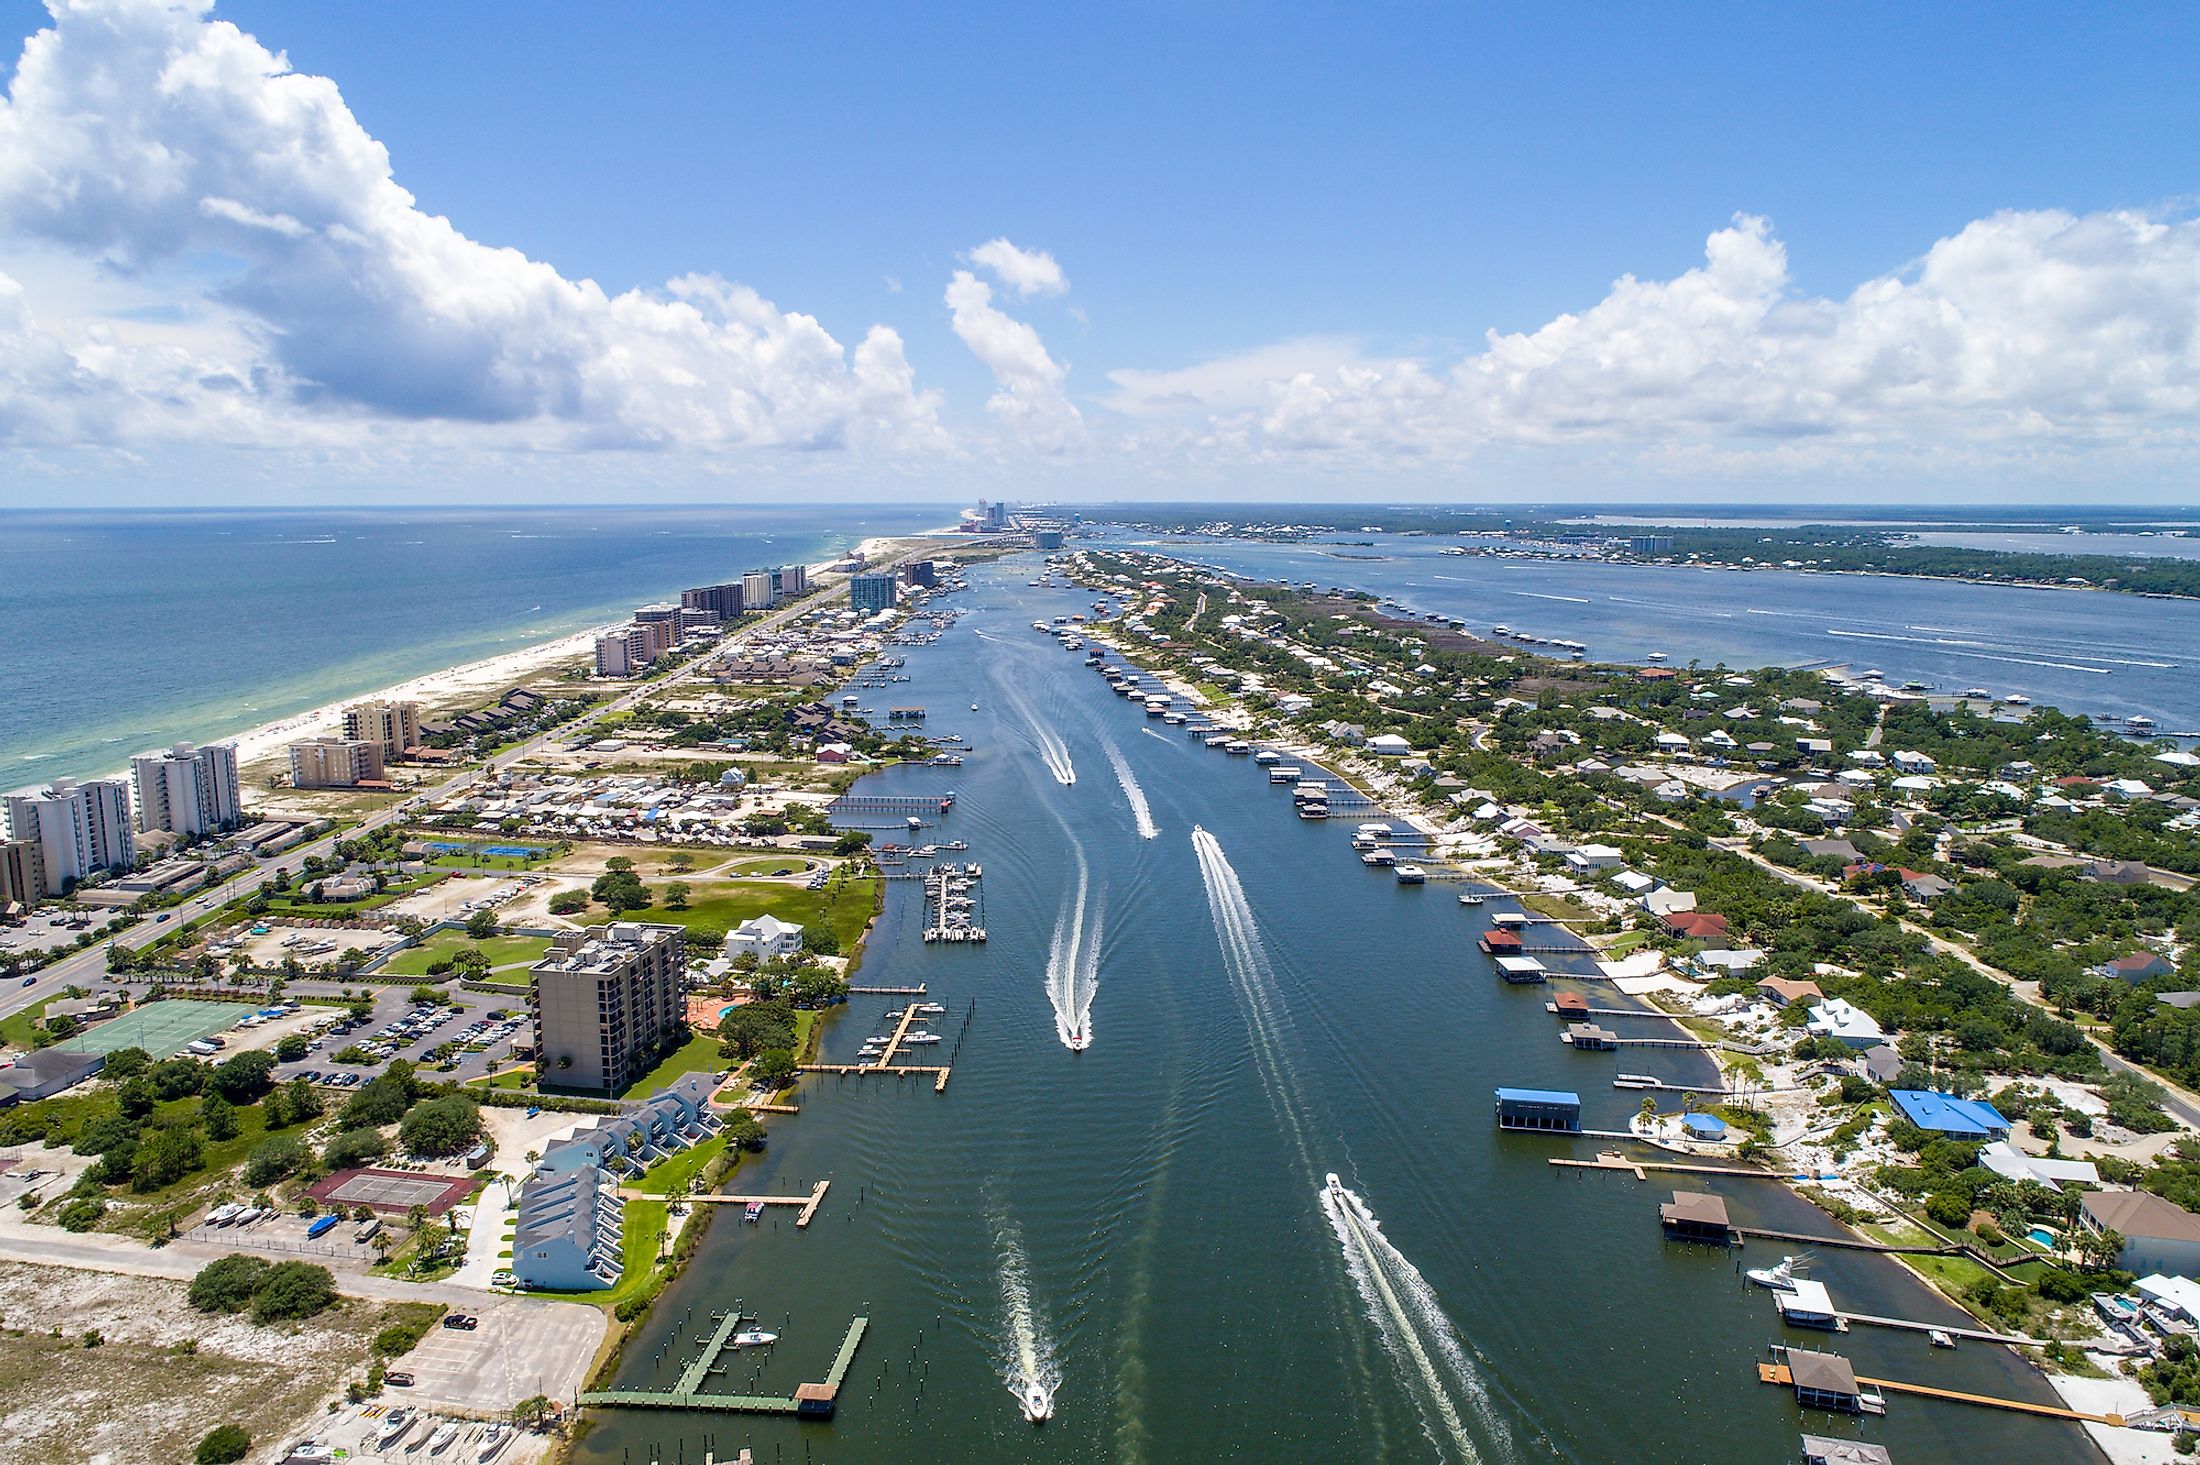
2045, 1237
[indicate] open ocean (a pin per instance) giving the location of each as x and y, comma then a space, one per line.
131, 630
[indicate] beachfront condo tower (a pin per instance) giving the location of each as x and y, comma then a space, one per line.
186, 790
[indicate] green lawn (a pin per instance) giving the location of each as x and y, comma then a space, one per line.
472, 858
1626, 942
645, 1233
514, 1079
414, 961
699, 1054
279, 905
842, 907
671, 1176
20, 1030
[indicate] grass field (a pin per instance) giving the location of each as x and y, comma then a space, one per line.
280, 906
20, 1029
698, 1054
645, 1234
414, 961
671, 1176
842, 907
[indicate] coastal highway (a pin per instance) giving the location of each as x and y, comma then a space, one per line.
88, 968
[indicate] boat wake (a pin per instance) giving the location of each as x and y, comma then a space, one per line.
1149, 732
1073, 966
1246, 960
1052, 750
1026, 1351
1141, 811
1419, 1337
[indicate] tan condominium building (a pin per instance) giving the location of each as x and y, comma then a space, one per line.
187, 790
395, 725
335, 763
606, 1001
22, 873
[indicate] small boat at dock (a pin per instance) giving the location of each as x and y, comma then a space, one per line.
753, 1212
1471, 897
1779, 1279
754, 1338
1941, 1338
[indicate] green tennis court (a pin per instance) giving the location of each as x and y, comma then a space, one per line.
162, 1029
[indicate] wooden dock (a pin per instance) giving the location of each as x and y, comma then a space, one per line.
1612, 1160
812, 1401
809, 1203
916, 991
1973, 1335
939, 1075
1552, 1008
1777, 1373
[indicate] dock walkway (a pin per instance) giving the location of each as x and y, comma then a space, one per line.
809, 1203
815, 1401
1610, 1160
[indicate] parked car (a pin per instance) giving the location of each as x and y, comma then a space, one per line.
462, 1322
398, 1379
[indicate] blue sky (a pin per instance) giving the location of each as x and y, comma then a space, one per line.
1327, 206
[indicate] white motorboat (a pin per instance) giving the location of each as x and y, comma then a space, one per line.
933, 1008
1038, 1402
921, 1040
1471, 897
445, 1434
754, 1338
2017, 699
222, 1215
493, 1441
1780, 1278
394, 1425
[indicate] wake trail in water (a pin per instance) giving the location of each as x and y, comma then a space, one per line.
1073, 964
1026, 1349
1246, 960
1141, 811
1415, 1330
1149, 732
1052, 750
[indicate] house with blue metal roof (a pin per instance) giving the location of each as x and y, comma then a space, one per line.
1946, 1114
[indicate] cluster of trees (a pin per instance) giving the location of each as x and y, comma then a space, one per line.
271, 1292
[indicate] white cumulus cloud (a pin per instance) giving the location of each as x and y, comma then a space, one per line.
142, 134
2022, 331
1028, 400
1028, 272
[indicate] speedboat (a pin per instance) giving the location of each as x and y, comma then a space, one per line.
921, 1040
494, 1440
934, 1008
1780, 1278
1332, 1184
444, 1434
1038, 1402
754, 1338
973, 707
2017, 699
1079, 1039
1471, 897
394, 1425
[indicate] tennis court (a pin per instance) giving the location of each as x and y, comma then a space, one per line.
393, 1190
162, 1029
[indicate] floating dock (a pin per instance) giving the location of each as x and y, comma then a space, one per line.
954, 904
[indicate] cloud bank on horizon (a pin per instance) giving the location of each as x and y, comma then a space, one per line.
300, 296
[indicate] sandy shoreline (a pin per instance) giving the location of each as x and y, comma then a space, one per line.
475, 679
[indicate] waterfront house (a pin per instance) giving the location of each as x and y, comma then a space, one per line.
1946, 1114
2179, 1297
1666, 901
1780, 991
1696, 1215
1837, 1018
1707, 927
1593, 857
767, 936
1388, 745
570, 1234
1707, 1129
1550, 1110
2006, 1160
2159, 1235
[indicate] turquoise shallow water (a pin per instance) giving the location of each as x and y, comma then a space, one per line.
1142, 1221
132, 630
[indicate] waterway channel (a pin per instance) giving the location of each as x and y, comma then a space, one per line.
1141, 1222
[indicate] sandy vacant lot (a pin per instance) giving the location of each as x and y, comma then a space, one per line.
145, 1392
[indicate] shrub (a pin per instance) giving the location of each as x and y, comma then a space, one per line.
353, 1147
292, 1047
568, 902
219, 1116
79, 1214
223, 1445
2057, 1285
274, 1158
244, 1078
1947, 1210
227, 1284
441, 1126
292, 1290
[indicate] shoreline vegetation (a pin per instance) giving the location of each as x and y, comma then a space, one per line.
1490, 725
1802, 547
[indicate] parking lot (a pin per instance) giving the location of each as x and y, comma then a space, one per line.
401, 1028
377, 1431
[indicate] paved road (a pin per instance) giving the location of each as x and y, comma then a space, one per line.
88, 968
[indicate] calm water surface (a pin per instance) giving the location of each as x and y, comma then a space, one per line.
1142, 1221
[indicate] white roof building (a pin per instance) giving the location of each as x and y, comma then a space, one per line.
1836, 1018
766, 936
2006, 1160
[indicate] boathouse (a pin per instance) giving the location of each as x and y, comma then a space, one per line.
1807, 1304
1696, 1215
1590, 1038
1555, 1111
1824, 1381
1501, 943
1520, 970
1571, 1005
1818, 1449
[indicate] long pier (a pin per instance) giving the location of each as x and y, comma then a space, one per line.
1610, 1160
916, 991
1778, 1373
1552, 1007
809, 1203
